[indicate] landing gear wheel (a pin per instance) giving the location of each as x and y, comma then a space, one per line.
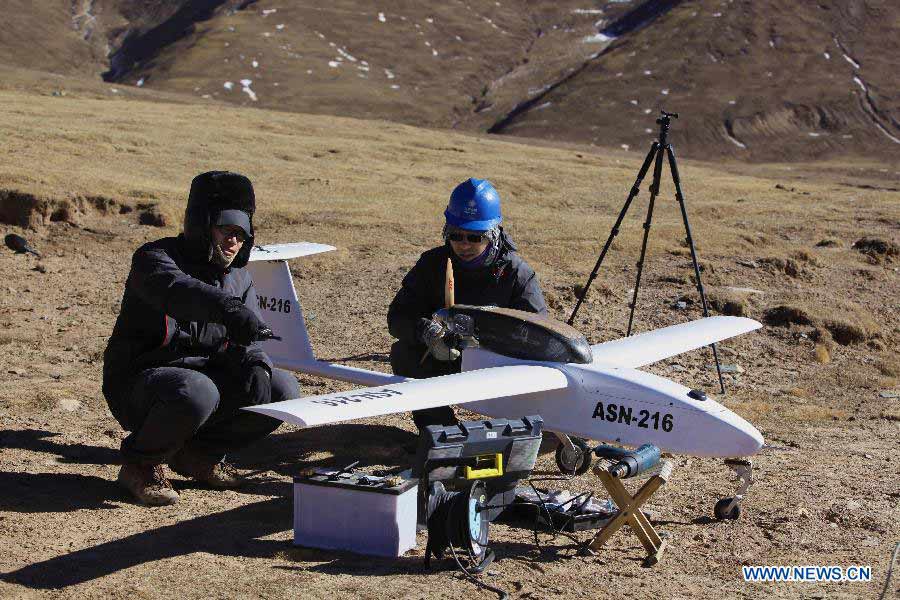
722, 511
575, 462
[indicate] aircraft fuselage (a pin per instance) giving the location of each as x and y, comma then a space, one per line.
625, 406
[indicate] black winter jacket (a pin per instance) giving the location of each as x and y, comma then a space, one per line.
508, 283
171, 315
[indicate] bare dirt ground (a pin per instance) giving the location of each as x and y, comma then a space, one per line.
77, 174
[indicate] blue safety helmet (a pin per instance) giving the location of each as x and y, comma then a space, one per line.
474, 205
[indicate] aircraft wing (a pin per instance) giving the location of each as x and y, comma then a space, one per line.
415, 394
645, 348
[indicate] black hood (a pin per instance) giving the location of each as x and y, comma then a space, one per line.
211, 193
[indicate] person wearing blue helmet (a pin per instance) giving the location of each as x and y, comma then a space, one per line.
488, 271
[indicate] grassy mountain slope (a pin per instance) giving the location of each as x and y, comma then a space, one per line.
760, 80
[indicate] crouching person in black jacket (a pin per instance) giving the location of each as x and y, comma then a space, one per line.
487, 271
184, 357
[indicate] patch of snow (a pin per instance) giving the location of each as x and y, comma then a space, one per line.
851, 61
363, 68
648, 130
826, 55
814, 134
717, 14
860, 84
597, 38
458, 39
434, 52
587, 11
647, 111
542, 106
771, 44
309, 71
114, 90
346, 55
250, 93
333, 64
395, 87
732, 102
267, 34
664, 92
427, 43
381, 17
625, 146
280, 26
619, 74
140, 82
635, 102
389, 74
736, 141
364, 63
255, 64
648, 72
269, 11
228, 86
429, 20
246, 82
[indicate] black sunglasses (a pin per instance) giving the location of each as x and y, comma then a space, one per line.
472, 238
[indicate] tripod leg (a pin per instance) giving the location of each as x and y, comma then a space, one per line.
615, 229
679, 196
654, 191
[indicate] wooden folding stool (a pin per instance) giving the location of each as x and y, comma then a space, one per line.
630, 511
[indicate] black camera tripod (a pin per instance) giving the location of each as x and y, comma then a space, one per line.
655, 156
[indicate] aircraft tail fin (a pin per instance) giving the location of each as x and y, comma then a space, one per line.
279, 304
282, 312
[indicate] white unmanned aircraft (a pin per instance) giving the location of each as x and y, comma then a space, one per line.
516, 363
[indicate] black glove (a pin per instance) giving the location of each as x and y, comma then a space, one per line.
435, 337
258, 386
242, 323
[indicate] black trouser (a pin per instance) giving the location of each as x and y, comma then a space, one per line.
171, 408
406, 360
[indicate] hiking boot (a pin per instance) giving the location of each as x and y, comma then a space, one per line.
148, 483
216, 474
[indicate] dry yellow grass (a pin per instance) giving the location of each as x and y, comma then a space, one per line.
376, 191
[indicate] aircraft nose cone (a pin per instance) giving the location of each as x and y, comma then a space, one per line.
751, 442
745, 438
